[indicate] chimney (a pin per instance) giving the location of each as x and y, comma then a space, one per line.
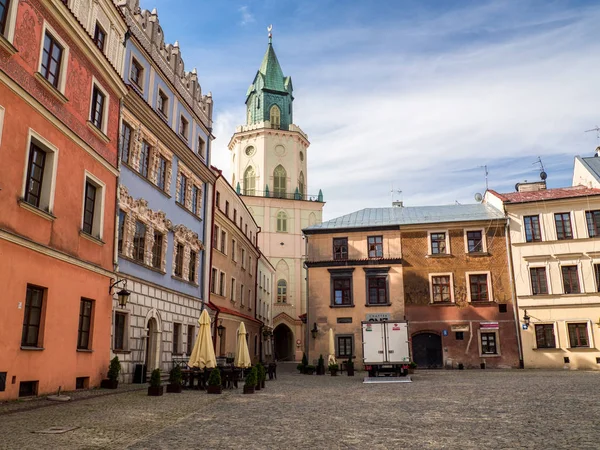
531, 186
397, 204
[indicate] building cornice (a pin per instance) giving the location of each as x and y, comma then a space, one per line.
238, 136
348, 264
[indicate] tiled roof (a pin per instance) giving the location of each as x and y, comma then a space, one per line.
546, 194
411, 215
271, 71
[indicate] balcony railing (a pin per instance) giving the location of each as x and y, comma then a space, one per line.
285, 195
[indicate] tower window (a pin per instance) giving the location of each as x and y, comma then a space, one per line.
258, 103
249, 181
282, 222
275, 117
279, 181
301, 184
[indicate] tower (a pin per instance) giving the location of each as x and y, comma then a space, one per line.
269, 169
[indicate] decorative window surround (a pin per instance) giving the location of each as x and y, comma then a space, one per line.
489, 286
189, 240
429, 247
193, 180
445, 274
483, 240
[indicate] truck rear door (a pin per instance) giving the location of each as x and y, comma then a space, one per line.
397, 342
373, 342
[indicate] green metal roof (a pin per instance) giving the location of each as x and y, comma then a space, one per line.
271, 71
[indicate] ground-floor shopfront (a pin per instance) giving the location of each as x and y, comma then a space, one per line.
55, 311
155, 329
229, 321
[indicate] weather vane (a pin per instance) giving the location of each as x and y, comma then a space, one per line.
269, 29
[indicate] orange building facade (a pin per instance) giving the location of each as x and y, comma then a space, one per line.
59, 111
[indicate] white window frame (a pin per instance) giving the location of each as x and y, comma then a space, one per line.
542, 231
285, 221
548, 280
571, 221
226, 241
105, 109
496, 331
11, 21
483, 240
223, 275
554, 329
590, 331
214, 281
64, 62
49, 182
579, 276
489, 285
441, 274
429, 247
98, 223
233, 251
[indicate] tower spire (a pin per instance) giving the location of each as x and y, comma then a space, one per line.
270, 29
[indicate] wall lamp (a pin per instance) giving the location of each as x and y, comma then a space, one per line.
314, 330
123, 294
526, 319
220, 329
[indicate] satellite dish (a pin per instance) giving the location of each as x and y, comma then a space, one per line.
543, 175
478, 197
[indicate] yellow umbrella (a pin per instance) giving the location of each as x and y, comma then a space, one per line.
331, 358
242, 355
203, 354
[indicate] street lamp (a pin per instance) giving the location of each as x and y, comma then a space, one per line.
314, 330
526, 319
220, 329
123, 294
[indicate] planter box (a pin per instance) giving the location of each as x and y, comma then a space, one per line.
334, 373
155, 391
173, 389
350, 372
214, 389
309, 371
109, 384
248, 389
257, 387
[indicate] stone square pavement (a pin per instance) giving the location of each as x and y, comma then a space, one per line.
439, 409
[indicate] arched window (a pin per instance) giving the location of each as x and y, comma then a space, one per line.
282, 222
275, 117
249, 181
279, 181
281, 291
301, 184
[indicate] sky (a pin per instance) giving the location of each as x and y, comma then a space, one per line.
410, 96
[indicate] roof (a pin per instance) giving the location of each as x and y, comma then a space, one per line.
412, 215
593, 165
271, 71
233, 312
546, 194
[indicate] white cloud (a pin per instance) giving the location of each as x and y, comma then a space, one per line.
247, 16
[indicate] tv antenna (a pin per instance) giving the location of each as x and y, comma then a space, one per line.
485, 169
395, 191
543, 174
596, 129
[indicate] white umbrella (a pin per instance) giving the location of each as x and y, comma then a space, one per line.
203, 354
331, 357
242, 355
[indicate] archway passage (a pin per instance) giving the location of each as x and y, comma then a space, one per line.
284, 343
427, 350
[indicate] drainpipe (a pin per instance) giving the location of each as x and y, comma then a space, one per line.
513, 290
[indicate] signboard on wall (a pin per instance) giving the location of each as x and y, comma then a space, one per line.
462, 328
378, 317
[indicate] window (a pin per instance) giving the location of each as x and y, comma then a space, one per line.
157, 250
195, 196
234, 215
126, 132
340, 249
232, 290
191, 330
279, 181
242, 298
85, 324
201, 146
539, 283
4, 7
597, 273
139, 241
375, 245
281, 291
275, 117
578, 335
213, 281
378, 293
223, 241
593, 223
344, 346
162, 103
176, 338
441, 289
301, 184
122, 217
478, 284
246, 230
250, 264
570, 279
222, 284
218, 200
233, 250
226, 208
99, 37
216, 237
144, 159
243, 258
544, 336
89, 206
182, 189
136, 73
563, 226
192, 267
51, 60
475, 241
161, 173
438, 243
488, 344
35, 175
183, 127
249, 181
459, 335
532, 228
179, 261
33, 317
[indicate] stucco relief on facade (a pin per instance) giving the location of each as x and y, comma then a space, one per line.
189, 240
193, 180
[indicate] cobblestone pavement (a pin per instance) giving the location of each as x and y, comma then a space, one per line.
439, 409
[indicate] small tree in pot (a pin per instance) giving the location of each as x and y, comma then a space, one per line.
333, 369
350, 366
321, 366
114, 369
214, 382
261, 373
250, 382
310, 370
155, 388
175, 381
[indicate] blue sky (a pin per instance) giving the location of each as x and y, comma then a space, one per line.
414, 94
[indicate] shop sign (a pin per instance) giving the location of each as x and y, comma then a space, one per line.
378, 317
455, 328
344, 320
493, 325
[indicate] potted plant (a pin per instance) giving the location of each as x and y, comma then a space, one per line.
350, 366
155, 388
250, 382
261, 373
214, 382
114, 369
301, 368
412, 366
310, 369
333, 369
175, 381
321, 366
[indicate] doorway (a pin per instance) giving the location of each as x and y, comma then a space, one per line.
427, 350
284, 343
152, 359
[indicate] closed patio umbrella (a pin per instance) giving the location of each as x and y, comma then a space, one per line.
203, 354
331, 357
242, 355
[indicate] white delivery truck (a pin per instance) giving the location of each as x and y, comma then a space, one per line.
385, 347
